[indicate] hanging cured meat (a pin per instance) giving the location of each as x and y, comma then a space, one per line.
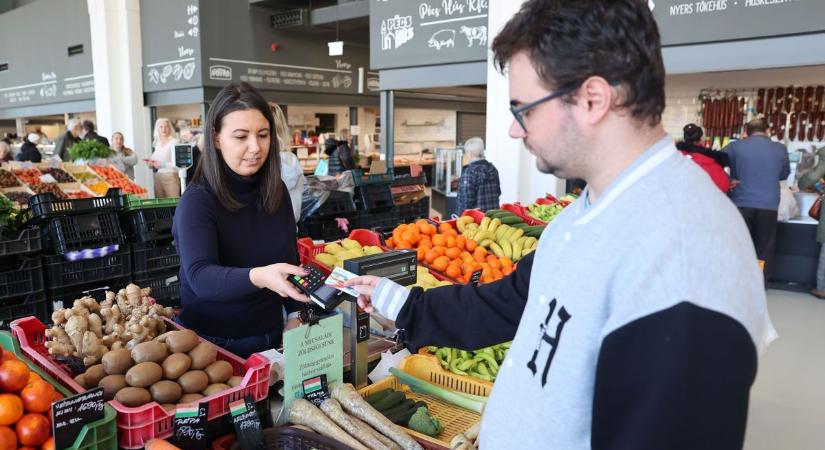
820, 128
779, 99
792, 126
808, 101
817, 106
813, 123
802, 134
706, 113
760, 101
769, 103
798, 99
788, 104
780, 129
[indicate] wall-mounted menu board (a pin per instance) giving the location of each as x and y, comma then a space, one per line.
410, 33
171, 44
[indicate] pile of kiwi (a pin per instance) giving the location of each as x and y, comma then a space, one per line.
181, 369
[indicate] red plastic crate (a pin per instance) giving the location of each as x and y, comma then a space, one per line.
521, 211
138, 425
308, 249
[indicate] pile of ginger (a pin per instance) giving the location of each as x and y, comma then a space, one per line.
89, 329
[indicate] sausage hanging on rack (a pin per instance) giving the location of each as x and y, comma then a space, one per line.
803, 126
760, 101
813, 124
789, 96
706, 113
769, 103
798, 99
781, 126
808, 100
792, 126
820, 129
817, 105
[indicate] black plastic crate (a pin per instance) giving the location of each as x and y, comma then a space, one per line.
21, 277
375, 196
416, 210
45, 206
64, 234
326, 227
149, 224
33, 304
377, 219
338, 202
165, 286
61, 273
409, 180
153, 258
65, 297
27, 241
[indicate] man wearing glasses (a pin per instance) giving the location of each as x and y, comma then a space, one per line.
638, 322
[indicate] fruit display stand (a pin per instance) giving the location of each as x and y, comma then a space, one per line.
119, 180
88, 177
101, 434
456, 420
425, 365
137, 425
19, 195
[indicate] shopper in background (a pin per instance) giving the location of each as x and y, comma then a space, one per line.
291, 170
5, 151
7, 138
814, 180
311, 142
166, 179
29, 151
638, 322
235, 231
478, 186
72, 135
339, 153
89, 133
757, 166
197, 145
124, 158
712, 162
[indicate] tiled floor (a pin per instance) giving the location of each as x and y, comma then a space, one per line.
787, 409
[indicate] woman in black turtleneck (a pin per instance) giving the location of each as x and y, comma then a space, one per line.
235, 231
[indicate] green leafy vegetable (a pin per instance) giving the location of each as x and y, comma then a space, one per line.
90, 149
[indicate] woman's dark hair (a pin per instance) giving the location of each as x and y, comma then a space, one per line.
88, 126
212, 168
569, 41
692, 133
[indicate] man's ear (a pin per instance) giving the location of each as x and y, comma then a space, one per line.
597, 96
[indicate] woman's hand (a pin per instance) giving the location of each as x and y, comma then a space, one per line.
364, 285
153, 163
274, 278
292, 323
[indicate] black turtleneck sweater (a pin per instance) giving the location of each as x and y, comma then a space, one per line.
218, 248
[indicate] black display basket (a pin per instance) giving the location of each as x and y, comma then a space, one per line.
21, 277
26, 241
61, 273
46, 206
152, 258
63, 234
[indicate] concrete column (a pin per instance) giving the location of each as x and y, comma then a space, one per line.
520, 180
117, 63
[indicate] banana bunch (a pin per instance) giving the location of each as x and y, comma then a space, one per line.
425, 280
335, 254
482, 364
504, 236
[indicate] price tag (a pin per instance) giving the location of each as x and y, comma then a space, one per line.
190, 425
475, 277
71, 414
316, 390
247, 424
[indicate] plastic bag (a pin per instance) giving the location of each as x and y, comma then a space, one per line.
788, 207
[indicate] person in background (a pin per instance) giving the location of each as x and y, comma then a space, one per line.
638, 320
812, 180
311, 142
757, 165
292, 173
43, 138
166, 179
339, 153
197, 145
712, 162
235, 232
29, 151
5, 151
69, 138
479, 185
7, 138
124, 158
90, 134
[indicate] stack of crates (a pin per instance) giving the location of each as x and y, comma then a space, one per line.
155, 260
21, 277
322, 224
69, 227
376, 207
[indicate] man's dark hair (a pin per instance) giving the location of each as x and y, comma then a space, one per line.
88, 126
692, 133
212, 168
569, 41
758, 125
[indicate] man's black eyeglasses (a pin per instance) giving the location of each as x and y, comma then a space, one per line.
518, 112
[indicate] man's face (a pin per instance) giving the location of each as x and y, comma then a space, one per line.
553, 136
76, 130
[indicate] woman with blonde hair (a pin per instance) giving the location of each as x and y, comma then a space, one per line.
166, 180
292, 174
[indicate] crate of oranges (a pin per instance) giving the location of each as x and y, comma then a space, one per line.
442, 249
26, 397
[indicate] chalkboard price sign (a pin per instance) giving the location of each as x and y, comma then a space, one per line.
71, 414
247, 424
190, 425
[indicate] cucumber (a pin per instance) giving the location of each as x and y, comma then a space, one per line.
380, 395
493, 212
389, 401
402, 417
511, 220
398, 409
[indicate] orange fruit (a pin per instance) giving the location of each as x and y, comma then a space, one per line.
444, 227
410, 237
49, 444
453, 271
420, 253
33, 429
57, 396
478, 257
467, 257
507, 270
440, 264
505, 261
440, 250
429, 229
453, 252
11, 409
470, 245
497, 275
467, 268
37, 396
451, 232
425, 243
403, 245
450, 242
421, 223
480, 251
494, 263
486, 279
13, 376
8, 439
439, 240
460, 242
390, 243
430, 256
33, 376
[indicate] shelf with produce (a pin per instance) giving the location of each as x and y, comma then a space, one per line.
75, 191
8, 179
88, 178
19, 195
117, 179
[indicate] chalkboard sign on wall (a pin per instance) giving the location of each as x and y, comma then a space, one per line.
171, 44
407, 33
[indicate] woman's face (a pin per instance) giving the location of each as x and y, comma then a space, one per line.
4, 150
244, 141
117, 141
164, 130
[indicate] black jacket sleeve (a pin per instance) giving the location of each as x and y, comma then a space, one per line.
467, 317
677, 379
